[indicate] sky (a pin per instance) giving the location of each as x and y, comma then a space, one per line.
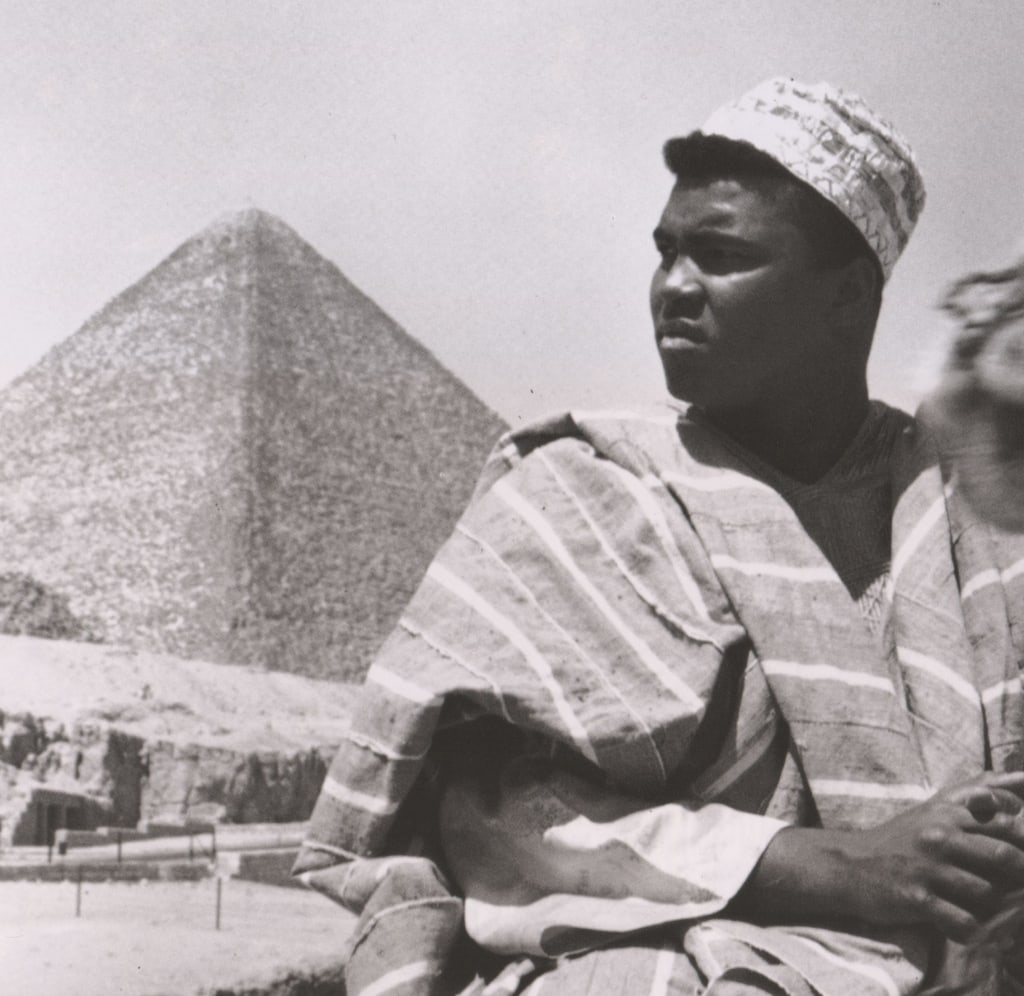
488, 172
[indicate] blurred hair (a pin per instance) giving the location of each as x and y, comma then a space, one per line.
834, 239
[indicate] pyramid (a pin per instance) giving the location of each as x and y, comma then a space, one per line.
241, 458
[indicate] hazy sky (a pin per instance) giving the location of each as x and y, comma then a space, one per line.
488, 172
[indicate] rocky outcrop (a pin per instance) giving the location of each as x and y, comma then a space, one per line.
218, 784
151, 737
28, 608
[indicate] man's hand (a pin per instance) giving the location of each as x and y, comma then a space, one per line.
946, 863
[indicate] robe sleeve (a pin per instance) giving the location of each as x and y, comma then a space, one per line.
550, 861
575, 605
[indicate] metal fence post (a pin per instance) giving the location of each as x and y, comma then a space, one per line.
78, 893
217, 918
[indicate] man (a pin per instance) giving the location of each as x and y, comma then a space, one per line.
716, 699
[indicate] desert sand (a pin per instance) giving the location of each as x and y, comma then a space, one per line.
159, 939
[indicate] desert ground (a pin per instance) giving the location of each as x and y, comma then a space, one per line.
160, 939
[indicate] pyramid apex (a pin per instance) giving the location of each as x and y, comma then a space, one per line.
247, 220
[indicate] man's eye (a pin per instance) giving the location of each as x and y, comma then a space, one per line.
722, 259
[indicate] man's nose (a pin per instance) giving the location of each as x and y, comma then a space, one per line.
682, 276
681, 284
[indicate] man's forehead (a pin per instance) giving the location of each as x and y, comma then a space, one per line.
727, 202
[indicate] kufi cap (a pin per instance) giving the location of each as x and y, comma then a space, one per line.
837, 144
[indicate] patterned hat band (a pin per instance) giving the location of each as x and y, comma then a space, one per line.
836, 144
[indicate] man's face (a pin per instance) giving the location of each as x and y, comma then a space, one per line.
738, 305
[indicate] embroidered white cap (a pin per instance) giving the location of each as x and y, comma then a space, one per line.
839, 146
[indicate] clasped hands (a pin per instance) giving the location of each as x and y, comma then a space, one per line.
950, 863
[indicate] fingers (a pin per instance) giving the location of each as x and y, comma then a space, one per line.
950, 861
950, 919
966, 907
1011, 781
969, 892
993, 792
993, 851
997, 816
984, 803
1000, 826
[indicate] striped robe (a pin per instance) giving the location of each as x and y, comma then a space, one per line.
617, 577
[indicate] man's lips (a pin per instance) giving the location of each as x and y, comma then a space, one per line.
679, 332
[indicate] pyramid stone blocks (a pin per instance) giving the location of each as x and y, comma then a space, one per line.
241, 459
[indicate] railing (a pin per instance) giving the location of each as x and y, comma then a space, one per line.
109, 844
195, 842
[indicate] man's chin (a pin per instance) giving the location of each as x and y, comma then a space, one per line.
685, 389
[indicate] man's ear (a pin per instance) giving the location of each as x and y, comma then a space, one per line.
857, 294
